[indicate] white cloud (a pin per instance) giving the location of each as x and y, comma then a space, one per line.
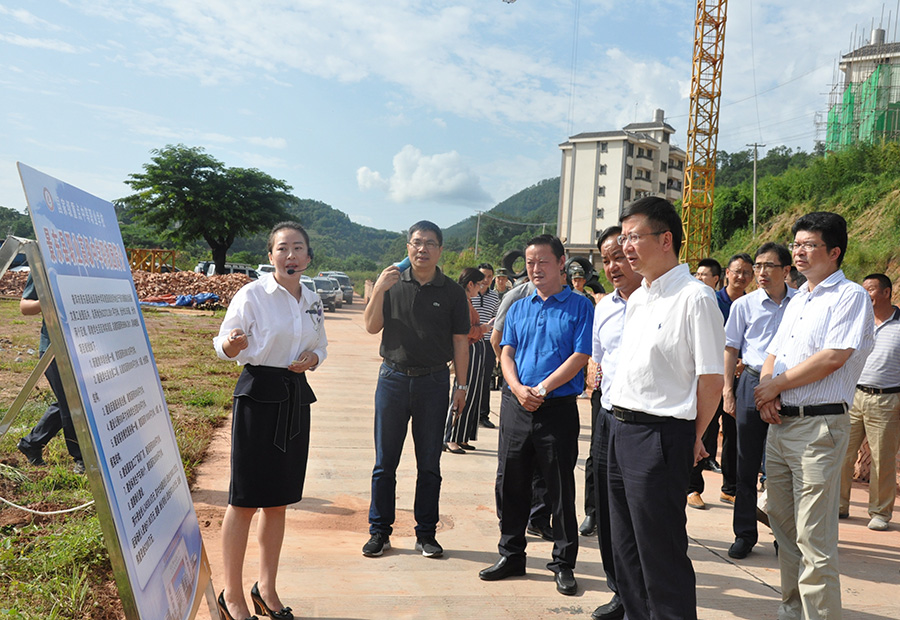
443, 177
272, 143
43, 43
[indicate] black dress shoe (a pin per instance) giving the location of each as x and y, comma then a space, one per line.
486, 423
740, 549
565, 582
711, 465
613, 610
541, 531
588, 526
505, 567
32, 453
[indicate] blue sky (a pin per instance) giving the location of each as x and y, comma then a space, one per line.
392, 110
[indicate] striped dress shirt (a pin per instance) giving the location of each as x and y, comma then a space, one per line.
882, 369
837, 314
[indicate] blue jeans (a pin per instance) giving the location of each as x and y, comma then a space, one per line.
398, 398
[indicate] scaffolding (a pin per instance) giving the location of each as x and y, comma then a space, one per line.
867, 110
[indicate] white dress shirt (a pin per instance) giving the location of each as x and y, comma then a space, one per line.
279, 328
673, 334
609, 321
752, 323
837, 314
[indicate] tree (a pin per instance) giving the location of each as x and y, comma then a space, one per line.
185, 194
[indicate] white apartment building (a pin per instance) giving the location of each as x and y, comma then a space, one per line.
604, 171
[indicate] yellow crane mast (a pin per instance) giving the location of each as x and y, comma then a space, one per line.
703, 129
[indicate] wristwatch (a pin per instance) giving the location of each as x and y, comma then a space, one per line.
541, 389
464, 388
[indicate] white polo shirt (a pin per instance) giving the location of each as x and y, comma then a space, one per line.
673, 334
837, 314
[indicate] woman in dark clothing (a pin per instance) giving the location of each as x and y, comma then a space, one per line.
462, 426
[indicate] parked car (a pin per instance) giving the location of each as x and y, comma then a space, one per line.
339, 298
265, 268
344, 281
209, 268
328, 292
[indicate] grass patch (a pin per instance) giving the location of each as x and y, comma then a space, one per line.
57, 567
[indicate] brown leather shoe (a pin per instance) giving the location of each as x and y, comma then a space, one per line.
725, 498
695, 501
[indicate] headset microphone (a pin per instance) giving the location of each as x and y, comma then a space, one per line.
291, 272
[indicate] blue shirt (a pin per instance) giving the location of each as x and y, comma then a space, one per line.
724, 303
546, 333
752, 323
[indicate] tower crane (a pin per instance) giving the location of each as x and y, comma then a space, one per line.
703, 129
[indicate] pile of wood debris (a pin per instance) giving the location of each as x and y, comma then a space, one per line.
154, 285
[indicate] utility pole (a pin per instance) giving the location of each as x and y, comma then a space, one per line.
755, 157
478, 228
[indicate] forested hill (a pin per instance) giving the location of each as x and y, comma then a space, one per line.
861, 183
336, 239
538, 203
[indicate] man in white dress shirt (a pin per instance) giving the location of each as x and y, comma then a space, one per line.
806, 387
666, 388
609, 323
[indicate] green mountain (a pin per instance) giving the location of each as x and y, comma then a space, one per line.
536, 204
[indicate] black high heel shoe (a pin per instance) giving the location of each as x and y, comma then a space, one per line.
260, 607
223, 609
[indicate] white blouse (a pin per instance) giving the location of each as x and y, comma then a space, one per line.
279, 328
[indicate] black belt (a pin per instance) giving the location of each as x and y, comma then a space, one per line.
629, 415
753, 372
415, 371
804, 411
871, 390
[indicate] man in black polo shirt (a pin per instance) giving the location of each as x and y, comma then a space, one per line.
425, 321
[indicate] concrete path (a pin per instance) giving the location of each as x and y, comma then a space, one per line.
324, 575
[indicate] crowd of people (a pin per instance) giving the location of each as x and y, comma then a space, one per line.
795, 373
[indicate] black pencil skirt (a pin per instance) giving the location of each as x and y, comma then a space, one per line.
269, 437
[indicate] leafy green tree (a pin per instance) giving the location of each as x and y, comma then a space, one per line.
14, 223
184, 195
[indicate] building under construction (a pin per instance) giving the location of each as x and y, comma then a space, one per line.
865, 104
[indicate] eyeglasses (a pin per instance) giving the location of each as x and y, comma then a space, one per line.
428, 245
633, 238
736, 273
809, 246
757, 267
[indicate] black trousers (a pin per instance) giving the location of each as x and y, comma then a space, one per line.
56, 417
540, 499
590, 501
547, 440
729, 452
649, 467
600, 427
490, 360
751, 445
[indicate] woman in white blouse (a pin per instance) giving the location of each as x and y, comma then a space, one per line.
274, 329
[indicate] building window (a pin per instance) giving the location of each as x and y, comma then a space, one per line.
603, 147
662, 188
629, 149
627, 171
602, 168
600, 213
666, 137
627, 194
601, 191
663, 166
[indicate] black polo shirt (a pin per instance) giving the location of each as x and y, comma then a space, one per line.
421, 319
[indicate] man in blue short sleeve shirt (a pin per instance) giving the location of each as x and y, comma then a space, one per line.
546, 344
